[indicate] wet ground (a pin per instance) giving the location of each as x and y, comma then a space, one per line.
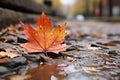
94, 54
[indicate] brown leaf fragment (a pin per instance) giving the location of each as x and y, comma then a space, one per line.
19, 77
97, 34
107, 44
2, 60
13, 30
7, 54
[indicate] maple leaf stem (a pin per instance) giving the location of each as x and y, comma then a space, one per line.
45, 52
44, 42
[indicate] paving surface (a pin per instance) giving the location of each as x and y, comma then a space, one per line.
94, 54
98, 54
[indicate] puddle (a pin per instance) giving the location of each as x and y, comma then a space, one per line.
46, 72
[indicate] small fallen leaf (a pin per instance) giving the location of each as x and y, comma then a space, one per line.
94, 48
97, 34
7, 54
91, 68
13, 30
43, 38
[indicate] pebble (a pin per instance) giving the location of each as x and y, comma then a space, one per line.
3, 69
113, 52
67, 43
33, 57
15, 62
2, 50
74, 47
111, 35
2, 39
21, 39
116, 42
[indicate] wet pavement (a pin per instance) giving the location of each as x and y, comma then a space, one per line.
94, 54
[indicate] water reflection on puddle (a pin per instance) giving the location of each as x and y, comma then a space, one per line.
46, 72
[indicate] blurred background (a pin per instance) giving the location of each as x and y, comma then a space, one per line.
87, 8
12, 11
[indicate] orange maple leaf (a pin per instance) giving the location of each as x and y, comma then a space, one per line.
43, 38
